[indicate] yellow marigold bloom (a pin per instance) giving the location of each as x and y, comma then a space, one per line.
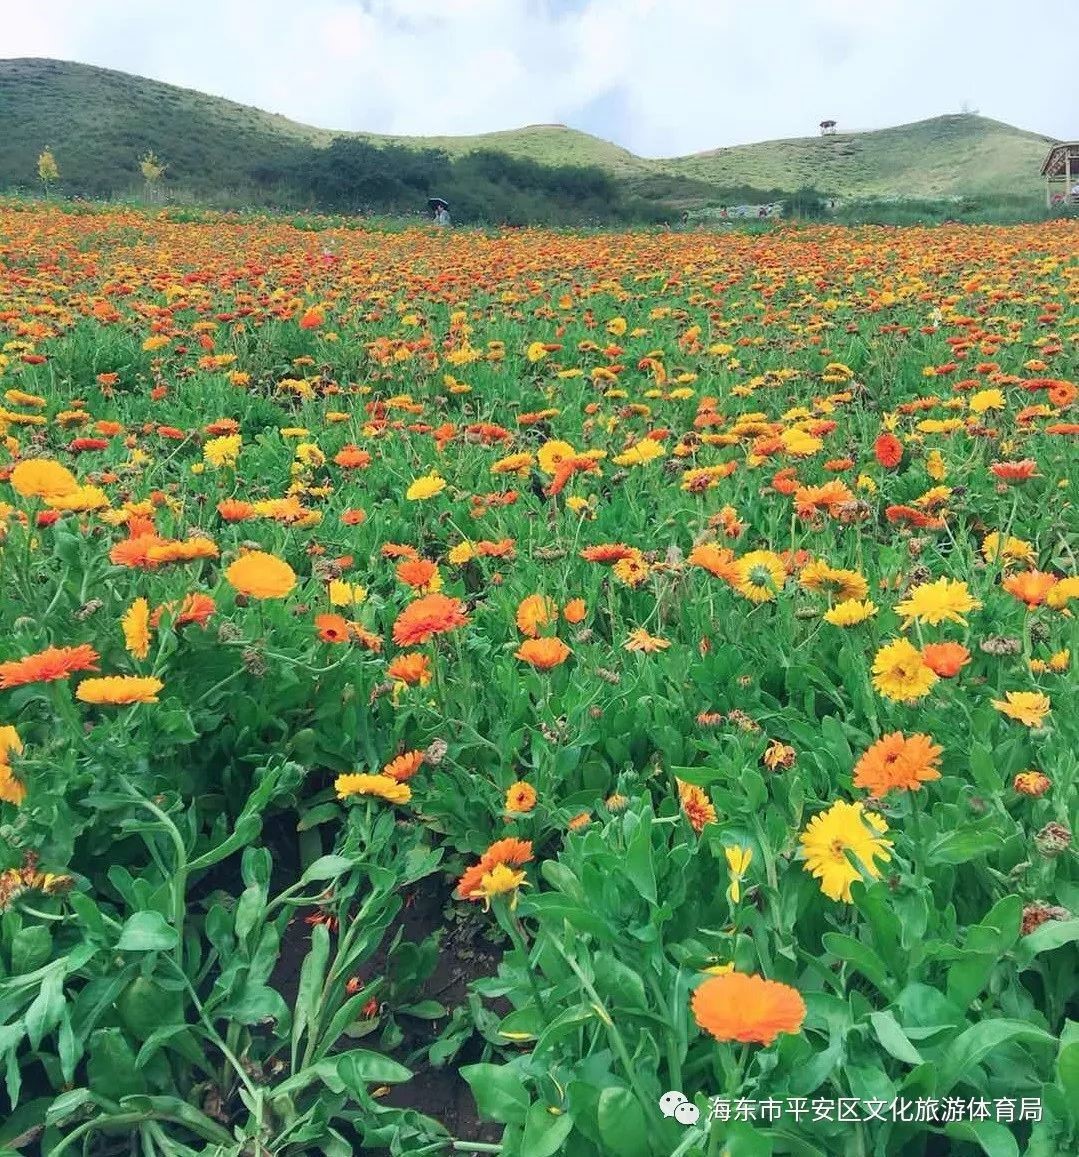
829, 837
42, 478
308, 454
379, 786
426, 487
934, 466
985, 400
632, 571
82, 499
1027, 707
9, 742
536, 351
136, 625
518, 464
645, 451
552, 454
224, 451
800, 443
1012, 549
850, 613
159, 341
499, 881
933, 603
641, 640
832, 581
261, 576
901, 674
520, 798
344, 594
1064, 591
1059, 661
761, 575
12, 790
738, 861
866, 483
460, 554
119, 690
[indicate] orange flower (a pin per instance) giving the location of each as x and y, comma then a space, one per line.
431, 615
261, 576
233, 510
717, 560
609, 552
332, 628
738, 1006
1015, 471
195, 608
352, 458
896, 763
888, 451
520, 798
543, 654
404, 766
1030, 586
1032, 783
575, 611
420, 574
119, 690
696, 804
534, 612
412, 669
48, 665
353, 517
312, 319
945, 659
506, 852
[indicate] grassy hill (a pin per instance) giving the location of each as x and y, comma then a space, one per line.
98, 121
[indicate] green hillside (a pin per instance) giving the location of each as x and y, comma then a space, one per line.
98, 121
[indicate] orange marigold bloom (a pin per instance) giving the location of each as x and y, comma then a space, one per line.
195, 608
332, 628
896, 763
717, 560
48, 665
888, 451
419, 573
353, 517
431, 615
609, 552
506, 852
404, 766
261, 576
575, 611
520, 798
945, 659
1030, 586
411, 669
234, 510
1032, 783
543, 654
365, 637
534, 612
739, 1006
696, 804
1014, 471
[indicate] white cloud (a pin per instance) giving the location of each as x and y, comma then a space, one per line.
661, 77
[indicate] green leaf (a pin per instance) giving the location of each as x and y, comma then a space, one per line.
971, 1046
327, 868
146, 931
961, 845
111, 1069
622, 1124
425, 1010
1052, 934
995, 1139
864, 959
638, 864
498, 1091
312, 977
544, 1131
361, 1067
893, 1039
46, 1009
30, 949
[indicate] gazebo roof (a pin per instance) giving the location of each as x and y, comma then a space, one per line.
1054, 162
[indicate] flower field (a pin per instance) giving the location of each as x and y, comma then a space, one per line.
691, 619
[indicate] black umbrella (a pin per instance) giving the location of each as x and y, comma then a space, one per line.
437, 203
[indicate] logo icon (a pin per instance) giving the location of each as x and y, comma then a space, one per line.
677, 1105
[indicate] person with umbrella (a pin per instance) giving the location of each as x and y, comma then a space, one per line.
441, 210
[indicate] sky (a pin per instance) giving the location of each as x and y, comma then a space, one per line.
659, 77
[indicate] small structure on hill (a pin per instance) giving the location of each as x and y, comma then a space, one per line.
827, 128
1061, 173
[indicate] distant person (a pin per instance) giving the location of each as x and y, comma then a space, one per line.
441, 210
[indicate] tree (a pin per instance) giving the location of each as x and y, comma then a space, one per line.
153, 169
47, 169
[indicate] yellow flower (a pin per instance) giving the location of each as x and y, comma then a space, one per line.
460, 554
645, 451
222, 451
935, 602
1063, 592
985, 400
1027, 707
379, 786
934, 466
136, 625
82, 499
829, 837
119, 690
426, 487
536, 351
1012, 549
343, 594
901, 674
761, 575
500, 880
738, 861
850, 613
552, 454
42, 478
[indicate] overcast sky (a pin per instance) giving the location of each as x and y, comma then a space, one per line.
661, 77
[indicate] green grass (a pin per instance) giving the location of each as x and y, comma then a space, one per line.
98, 121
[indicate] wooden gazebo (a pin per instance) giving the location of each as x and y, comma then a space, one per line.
827, 128
1061, 173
